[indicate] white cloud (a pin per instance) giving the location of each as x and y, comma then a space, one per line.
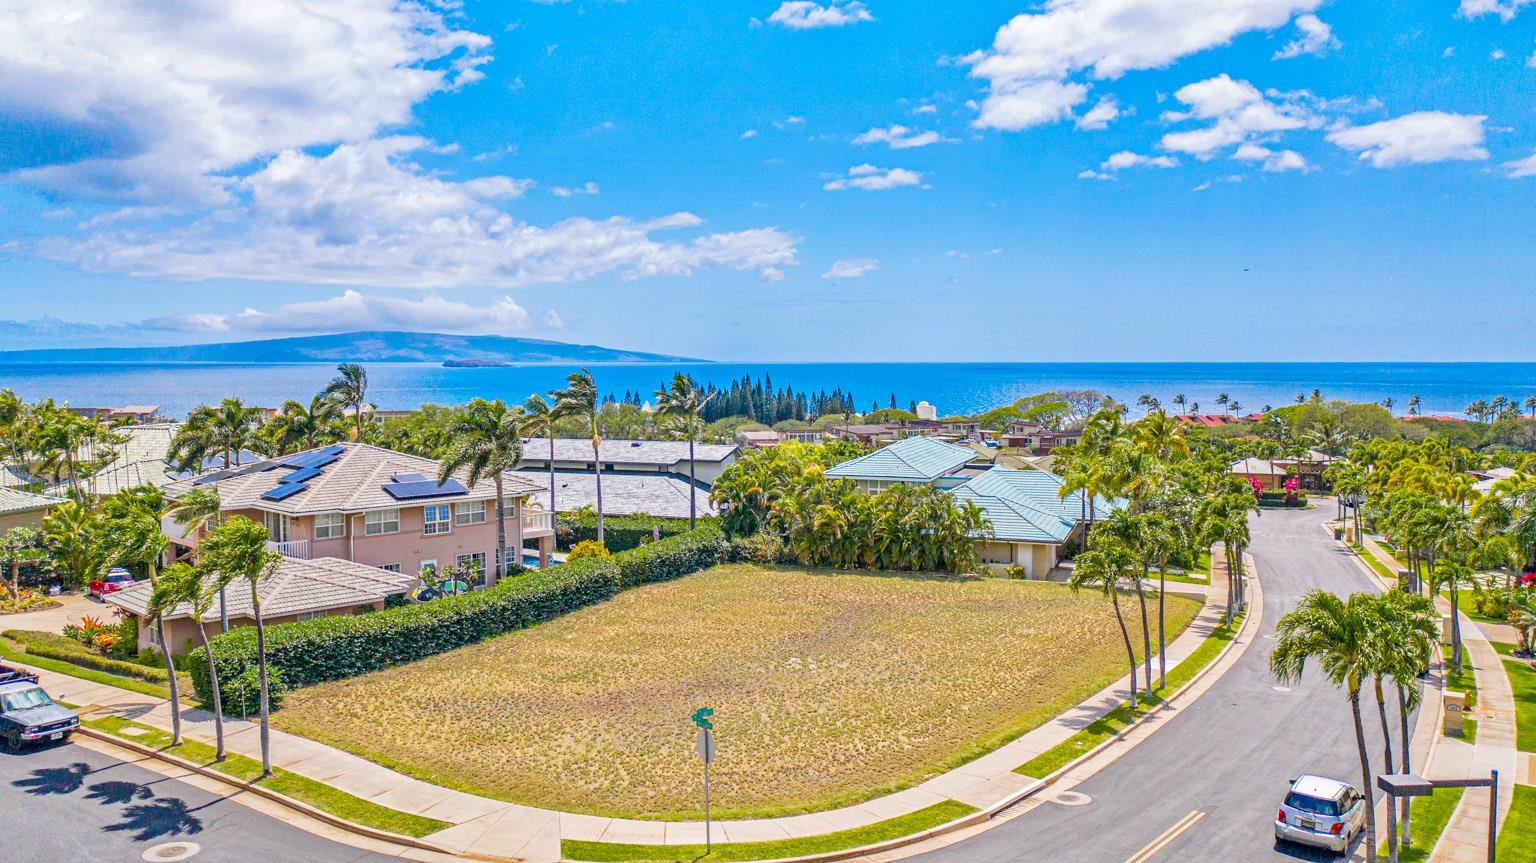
1127, 159
1531, 60
588, 188
873, 179
1316, 38
1497, 54
750, 133
1418, 138
355, 311
1272, 161
898, 137
926, 109
364, 215
1505, 9
172, 94
1100, 115
1521, 167
1035, 55
1449, 52
806, 15
553, 321
854, 268
1237, 112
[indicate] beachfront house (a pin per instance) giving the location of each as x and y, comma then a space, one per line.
1031, 522
297, 590
913, 460
374, 506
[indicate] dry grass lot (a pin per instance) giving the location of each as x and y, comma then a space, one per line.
828, 688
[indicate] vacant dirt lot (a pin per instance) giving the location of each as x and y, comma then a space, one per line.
828, 688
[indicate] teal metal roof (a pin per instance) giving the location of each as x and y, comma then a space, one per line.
913, 459
1026, 505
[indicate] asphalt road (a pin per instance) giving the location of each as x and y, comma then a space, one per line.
68, 803
1228, 755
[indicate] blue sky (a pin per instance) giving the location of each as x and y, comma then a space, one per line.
1068, 180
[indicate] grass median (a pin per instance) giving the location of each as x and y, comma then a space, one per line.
301, 788
1522, 681
882, 831
1517, 839
14, 652
1122, 717
1429, 816
1466, 682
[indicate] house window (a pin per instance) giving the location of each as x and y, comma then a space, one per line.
277, 526
436, 519
469, 513
153, 633
390, 567
311, 615
330, 525
381, 521
471, 567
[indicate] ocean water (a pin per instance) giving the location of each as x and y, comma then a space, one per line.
1444, 388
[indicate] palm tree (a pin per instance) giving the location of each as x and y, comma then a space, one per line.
579, 399
1301, 398
226, 430
488, 440
1181, 401
1405, 643
197, 511
299, 427
19, 547
182, 584
1336, 633
683, 403
1109, 569
238, 549
75, 539
1222, 399
1414, 402
1530, 405
1388, 402
1236, 407
539, 418
135, 535
349, 389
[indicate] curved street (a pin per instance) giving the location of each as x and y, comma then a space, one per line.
1219, 768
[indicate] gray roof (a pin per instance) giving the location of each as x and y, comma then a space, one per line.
913, 459
1026, 505
1256, 467
298, 586
15, 476
16, 501
353, 483
660, 495
140, 460
663, 453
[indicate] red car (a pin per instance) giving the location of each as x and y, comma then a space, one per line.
116, 579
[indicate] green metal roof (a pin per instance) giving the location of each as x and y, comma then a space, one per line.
913, 459
1026, 505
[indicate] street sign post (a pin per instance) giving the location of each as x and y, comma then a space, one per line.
706, 749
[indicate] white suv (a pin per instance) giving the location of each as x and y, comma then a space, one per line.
1322, 812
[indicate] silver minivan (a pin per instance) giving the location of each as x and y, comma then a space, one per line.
1325, 813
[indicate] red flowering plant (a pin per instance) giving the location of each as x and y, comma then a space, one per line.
1291, 486
1258, 486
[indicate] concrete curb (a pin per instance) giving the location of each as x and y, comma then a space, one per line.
987, 814
281, 799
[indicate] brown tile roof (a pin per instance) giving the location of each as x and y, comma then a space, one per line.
298, 586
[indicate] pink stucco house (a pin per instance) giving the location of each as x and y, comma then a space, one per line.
378, 507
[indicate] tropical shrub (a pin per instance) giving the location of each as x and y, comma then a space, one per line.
26, 600
65, 649
242, 694
623, 532
671, 558
763, 547
588, 548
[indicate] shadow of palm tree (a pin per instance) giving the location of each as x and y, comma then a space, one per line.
55, 780
167, 816
112, 793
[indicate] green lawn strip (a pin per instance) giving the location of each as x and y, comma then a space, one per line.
1121, 717
1522, 679
1377, 566
1185, 579
12, 651
881, 831
1429, 816
1515, 837
1466, 681
301, 788
1469, 730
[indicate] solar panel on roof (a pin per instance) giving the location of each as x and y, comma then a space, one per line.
335, 449
303, 474
414, 490
314, 458
409, 477
284, 491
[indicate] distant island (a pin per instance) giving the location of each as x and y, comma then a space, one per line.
373, 347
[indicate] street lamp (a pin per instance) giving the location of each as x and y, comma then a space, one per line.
1408, 785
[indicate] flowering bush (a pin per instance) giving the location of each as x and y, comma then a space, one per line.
588, 548
1258, 485
1291, 487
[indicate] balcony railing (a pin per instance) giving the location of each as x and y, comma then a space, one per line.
537, 523
298, 548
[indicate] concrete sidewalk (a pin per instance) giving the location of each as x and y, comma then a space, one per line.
497, 828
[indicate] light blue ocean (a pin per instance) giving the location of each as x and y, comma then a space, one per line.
1444, 388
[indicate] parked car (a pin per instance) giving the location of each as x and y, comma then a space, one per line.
116, 579
28, 715
1321, 812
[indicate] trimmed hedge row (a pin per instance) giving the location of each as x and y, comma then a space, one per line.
51, 646
622, 532
332, 648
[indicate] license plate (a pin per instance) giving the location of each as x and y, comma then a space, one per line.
1309, 824
57, 735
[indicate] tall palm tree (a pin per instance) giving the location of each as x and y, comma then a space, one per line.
1222, 398
197, 511
223, 431
183, 584
1414, 403
1404, 644
488, 440
683, 403
349, 389
1180, 400
237, 549
1530, 405
1110, 569
135, 536
539, 419
579, 400
1336, 634
299, 427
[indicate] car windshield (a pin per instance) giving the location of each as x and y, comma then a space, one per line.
1313, 805
34, 697
114, 579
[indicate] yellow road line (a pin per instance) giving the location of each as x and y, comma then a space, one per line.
1161, 842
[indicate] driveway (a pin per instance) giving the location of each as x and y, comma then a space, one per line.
1205, 787
71, 608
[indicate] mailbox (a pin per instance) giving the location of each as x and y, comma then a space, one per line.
1455, 711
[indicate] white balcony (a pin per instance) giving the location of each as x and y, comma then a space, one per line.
537, 523
298, 548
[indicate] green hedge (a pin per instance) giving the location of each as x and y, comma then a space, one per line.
623, 532
51, 646
332, 648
